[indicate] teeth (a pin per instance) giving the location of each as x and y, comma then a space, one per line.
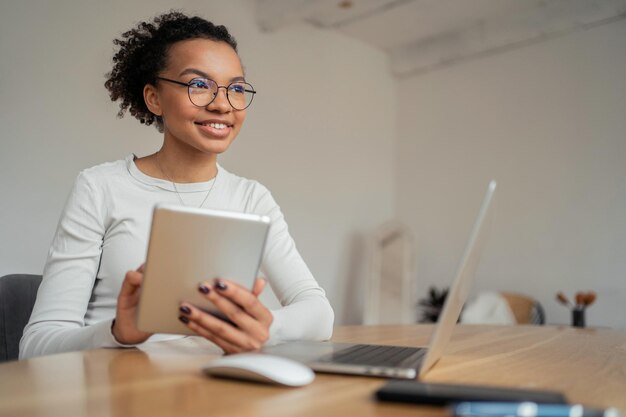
217, 125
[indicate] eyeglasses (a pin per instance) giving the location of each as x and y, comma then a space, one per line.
202, 92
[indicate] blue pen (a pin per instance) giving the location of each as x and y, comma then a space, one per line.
528, 409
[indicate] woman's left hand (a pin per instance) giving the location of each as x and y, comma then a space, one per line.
241, 306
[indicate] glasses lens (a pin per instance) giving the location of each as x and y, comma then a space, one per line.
202, 91
240, 95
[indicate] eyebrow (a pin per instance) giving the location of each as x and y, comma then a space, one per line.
205, 75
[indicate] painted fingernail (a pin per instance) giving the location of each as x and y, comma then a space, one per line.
183, 319
204, 289
220, 285
185, 309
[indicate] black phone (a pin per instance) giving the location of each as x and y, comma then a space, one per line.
443, 394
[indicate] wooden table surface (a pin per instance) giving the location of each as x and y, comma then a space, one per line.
164, 379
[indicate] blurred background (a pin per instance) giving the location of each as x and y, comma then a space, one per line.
377, 127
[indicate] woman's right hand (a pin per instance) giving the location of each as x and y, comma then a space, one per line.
124, 327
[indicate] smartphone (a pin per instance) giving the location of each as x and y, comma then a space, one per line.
444, 394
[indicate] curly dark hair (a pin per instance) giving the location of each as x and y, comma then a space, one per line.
142, 55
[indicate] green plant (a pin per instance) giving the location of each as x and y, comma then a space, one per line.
432, 305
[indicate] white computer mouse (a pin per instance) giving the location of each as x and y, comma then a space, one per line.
261, 368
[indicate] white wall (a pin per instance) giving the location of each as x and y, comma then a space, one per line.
548, 121
308, 136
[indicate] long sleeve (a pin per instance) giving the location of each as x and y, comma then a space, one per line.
306, 313
309, 317
103, 233
57, 323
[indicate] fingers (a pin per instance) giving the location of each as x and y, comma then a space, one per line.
124, 326
237, 302
222, 343
259, 285
229, 338
253, 320
132, 283
132, 280
241, 306
129, 293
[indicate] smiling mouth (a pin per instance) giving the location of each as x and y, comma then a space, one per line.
218, 126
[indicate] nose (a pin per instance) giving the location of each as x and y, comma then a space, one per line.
220, 103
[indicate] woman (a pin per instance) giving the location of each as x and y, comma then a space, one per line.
183, 75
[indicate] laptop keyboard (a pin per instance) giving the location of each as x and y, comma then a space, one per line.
375, 355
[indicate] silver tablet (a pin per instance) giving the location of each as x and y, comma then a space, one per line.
188, 246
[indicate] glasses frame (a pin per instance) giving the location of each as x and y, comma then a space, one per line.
226, 87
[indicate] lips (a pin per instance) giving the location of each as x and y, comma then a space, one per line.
214, 128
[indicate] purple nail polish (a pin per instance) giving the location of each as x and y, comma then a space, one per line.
183, 319
185, 309
220, 285
204, 289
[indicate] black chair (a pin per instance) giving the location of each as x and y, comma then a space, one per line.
17, 298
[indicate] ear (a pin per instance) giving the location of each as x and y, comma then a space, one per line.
151, 97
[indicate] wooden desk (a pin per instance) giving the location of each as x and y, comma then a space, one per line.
588, 365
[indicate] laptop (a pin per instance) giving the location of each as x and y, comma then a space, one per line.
400, 361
